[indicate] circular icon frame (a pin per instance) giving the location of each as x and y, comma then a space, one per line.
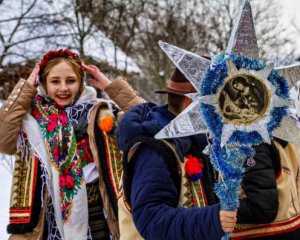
244, 99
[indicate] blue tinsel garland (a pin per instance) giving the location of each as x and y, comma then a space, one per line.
228, 161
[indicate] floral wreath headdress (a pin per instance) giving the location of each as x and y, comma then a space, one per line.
61, 53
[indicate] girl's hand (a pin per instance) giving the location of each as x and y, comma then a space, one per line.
99, 80
33, 75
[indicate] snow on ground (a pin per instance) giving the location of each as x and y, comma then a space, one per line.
6, 166
6, 169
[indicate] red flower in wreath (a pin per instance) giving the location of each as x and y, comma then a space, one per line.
193, 168
67, 53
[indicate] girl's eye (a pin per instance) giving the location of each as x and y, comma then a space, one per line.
71, 81
54, 81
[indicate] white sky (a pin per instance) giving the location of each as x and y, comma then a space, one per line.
290, 12
290, 9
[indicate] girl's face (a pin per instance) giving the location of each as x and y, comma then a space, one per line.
62, 84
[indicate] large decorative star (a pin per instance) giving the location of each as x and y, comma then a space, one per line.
214, 80
240, 102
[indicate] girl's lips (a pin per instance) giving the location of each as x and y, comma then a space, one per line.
63, 96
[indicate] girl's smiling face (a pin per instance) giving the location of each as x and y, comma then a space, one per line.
62, 84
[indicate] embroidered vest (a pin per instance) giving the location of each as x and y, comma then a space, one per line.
108, 159
288, 187
25, 200
192, 193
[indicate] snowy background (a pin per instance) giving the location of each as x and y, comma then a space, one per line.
94, 46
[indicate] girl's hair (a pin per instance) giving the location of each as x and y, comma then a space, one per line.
76, 67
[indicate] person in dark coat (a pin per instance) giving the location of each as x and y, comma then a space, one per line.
151, 186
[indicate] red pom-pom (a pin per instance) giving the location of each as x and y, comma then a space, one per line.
193, 167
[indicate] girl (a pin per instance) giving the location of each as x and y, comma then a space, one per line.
67, 163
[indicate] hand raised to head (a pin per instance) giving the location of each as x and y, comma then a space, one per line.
98, 80
33, 75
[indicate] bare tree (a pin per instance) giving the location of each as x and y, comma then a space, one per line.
199, 26
136, 27
274, 40
78, 22
119, 20
175, 22
272, 37
28, 23
202, 27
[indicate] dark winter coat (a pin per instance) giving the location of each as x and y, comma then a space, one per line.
259, 185
154, 196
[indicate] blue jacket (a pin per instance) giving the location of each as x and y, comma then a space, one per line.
153, 194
